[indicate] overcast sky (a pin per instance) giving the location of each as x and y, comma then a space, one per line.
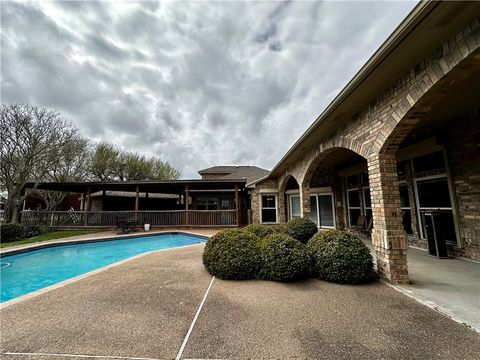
195, 83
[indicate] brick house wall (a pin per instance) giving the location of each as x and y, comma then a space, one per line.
376, 132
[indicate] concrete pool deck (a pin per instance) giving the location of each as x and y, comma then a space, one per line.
145, 307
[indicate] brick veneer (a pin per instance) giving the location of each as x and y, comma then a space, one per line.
376, 132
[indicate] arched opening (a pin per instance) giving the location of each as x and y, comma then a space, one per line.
437, 156
290, 193
339, 191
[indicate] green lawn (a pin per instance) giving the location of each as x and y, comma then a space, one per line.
49, 236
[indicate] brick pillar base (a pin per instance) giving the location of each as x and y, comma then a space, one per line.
388, 235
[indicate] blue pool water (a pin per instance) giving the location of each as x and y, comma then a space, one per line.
29, 271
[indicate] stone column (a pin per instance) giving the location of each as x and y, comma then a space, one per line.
388, 235
305, 201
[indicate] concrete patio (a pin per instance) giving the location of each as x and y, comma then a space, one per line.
451, 286
144, 308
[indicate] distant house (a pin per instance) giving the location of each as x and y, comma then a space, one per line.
219, 199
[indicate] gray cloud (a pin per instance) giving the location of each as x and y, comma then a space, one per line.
197, 84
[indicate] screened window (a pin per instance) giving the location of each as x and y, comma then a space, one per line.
433, 193
269, 208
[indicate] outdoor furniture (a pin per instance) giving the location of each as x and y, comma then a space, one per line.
125, 226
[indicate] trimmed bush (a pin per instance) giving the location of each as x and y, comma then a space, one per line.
259, 230
33, 230
11, 232
301, 229
232, 254
284, 258
14, 232
341, 257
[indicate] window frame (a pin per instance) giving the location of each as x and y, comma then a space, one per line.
275, 195
353, 207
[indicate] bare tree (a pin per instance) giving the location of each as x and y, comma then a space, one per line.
72, 165
111, 163
32, 140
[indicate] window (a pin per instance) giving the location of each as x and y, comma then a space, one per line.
354, 210
225, 204
325, 202
405, 206
207, 204
295, 206
269, 208
314, 209
434, 194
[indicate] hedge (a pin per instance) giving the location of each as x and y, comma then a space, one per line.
301, 229
341, 257
284, 258
233, 254
14, 232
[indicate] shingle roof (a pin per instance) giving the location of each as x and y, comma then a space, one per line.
250, 173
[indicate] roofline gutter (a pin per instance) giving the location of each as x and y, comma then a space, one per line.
401, 32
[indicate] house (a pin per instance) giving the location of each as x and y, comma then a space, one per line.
396, 153
219, 199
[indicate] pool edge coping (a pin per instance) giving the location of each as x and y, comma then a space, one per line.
66, 282
66, 241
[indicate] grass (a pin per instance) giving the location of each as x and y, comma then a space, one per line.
49, 236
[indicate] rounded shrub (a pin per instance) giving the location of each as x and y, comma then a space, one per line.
284, 258
301, 229
259, 230
11, 232
340, 257
232, 254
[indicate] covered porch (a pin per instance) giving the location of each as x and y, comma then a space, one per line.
176, 203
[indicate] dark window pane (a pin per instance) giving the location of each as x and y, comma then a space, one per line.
407, 221
326, 211
353, 198
313, 209
352, 181
269, 215
368, 200
429, 162
268, 201
365, 179
433, 193
353, 215
401, 168
404, 200
368, 217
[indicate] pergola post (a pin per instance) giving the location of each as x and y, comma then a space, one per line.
237, 207
186, 206
137, 201
88, 205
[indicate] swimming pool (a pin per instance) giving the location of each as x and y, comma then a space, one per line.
28, 271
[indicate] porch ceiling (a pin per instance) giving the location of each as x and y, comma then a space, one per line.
164, 187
